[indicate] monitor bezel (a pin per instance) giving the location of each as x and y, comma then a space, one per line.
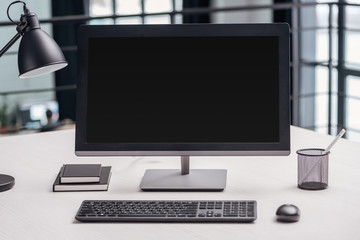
280, 30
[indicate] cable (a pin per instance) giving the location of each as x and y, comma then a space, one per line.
26, 10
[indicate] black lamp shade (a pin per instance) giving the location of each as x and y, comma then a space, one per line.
39, 54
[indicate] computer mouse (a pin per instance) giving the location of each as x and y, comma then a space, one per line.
288, 213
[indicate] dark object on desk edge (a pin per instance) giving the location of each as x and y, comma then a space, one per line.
103, 185
216, 211
80, 173
51, 127
288, 213
6, 182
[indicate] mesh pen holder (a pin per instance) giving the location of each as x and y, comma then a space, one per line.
313, 168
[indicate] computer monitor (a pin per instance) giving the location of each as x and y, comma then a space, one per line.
183, 90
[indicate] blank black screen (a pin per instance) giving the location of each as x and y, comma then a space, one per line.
183, 90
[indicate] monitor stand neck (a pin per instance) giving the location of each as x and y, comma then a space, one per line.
185, 165
184, 179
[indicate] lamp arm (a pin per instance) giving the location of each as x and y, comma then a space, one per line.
21, 26
9, 44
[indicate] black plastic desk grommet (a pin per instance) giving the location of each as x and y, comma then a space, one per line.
6, 182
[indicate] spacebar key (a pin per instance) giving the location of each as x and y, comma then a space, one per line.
142, 215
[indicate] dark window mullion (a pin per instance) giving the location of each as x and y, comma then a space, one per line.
114, 10
142, 11
172, 15
341, 63
330, 68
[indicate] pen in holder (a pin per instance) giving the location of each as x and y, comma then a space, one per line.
313, 169
313, 166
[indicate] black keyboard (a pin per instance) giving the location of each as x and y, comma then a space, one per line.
167, 211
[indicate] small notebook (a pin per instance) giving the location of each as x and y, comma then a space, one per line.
100, 186
80, 173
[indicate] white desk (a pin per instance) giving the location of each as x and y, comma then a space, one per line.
32, 211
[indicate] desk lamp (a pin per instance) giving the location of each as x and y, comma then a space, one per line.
38, 54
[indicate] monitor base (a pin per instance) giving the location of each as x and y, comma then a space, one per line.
173, 180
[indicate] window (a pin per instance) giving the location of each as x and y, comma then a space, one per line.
159, 11
325, 42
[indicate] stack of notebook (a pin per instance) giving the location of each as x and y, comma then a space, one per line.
82, 177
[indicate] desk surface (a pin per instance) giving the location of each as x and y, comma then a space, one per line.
32, 211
